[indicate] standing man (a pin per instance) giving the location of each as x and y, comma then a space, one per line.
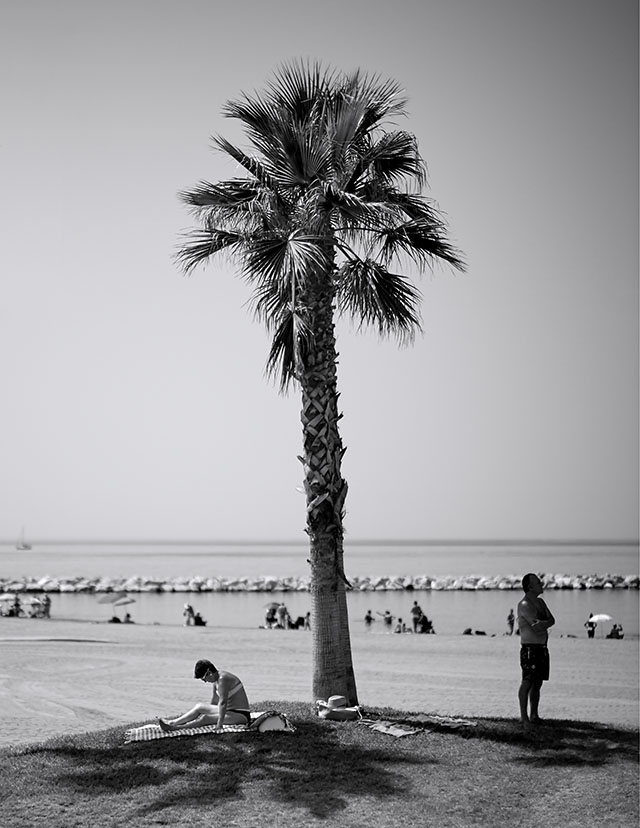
416, 615
229, 703
534, 619
510, 621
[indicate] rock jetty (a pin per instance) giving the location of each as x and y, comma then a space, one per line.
273, 584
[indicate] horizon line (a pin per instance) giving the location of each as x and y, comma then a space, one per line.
347, 542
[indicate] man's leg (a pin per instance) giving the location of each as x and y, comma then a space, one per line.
534, 700
523, 698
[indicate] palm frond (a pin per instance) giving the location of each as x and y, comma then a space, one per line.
368, 291
231, 193
252, 165
289, 349
279, 257
394, 156
423, 241
200, 245
297, 87
385, 99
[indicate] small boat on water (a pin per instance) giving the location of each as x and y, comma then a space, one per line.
21, 544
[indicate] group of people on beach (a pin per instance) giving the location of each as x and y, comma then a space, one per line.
192, 618
37, 608
591, 624
419, 621
230, 704
277, 617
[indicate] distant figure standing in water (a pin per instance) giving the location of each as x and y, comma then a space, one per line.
534, 619
416, 615
368, 619
388, 620
282, 613
591, 626
189, 615
511, 621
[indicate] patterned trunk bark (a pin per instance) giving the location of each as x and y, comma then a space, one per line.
326, 491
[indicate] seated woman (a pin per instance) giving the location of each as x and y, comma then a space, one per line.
229, 703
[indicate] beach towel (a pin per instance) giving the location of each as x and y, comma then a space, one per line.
390, 727
260, 723
418, 723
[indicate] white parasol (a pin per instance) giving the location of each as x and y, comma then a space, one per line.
602, 616
111, 597
121, 602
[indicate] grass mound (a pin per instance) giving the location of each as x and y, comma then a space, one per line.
564, 773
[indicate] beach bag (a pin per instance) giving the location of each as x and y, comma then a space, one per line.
270, 721
335, 709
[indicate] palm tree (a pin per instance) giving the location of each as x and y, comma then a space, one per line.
327, 201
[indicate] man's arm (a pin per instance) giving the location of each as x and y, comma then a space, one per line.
532, 614
548, 620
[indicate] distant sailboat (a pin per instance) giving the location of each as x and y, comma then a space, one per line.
22, 544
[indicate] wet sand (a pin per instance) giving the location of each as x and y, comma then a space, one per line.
60, 677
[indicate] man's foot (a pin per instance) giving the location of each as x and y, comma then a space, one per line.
165, 725
536, 720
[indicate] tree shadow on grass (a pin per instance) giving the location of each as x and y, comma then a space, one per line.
319, 768
560, 741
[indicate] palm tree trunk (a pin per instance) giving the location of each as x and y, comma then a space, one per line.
326, 492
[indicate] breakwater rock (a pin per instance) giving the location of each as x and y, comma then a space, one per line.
301, 584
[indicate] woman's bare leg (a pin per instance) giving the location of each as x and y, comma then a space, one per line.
203, 714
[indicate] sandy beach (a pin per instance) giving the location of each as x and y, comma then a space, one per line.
63, 677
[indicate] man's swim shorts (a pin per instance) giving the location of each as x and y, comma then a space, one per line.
534, 661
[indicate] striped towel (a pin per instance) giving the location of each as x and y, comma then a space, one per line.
269, 720
147, 733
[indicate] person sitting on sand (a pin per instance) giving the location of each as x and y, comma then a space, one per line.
616, 631
229, 703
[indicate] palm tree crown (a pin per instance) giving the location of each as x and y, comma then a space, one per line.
326, 187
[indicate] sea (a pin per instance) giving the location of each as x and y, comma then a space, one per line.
450, 611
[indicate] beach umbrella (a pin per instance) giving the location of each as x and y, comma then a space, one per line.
601, 617
111, 597
8, 596
121, 602
272, 605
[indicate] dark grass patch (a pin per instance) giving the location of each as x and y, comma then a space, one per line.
329, 773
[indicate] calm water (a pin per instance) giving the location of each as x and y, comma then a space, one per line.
254, 560
451, 611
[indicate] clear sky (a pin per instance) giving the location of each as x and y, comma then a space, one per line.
134, 403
